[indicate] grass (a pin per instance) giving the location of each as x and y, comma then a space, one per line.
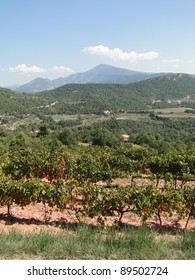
85, 242
87, 119
133, 116
91, 118
169, 110
174, 113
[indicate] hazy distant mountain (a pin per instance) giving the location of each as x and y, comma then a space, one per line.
36, 85
100, 74
14, 87
108, 74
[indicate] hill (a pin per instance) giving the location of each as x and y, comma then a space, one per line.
17, 104
166, 91
144, 95
35, 85
10, 101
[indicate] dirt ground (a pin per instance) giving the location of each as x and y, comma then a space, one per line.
33, 218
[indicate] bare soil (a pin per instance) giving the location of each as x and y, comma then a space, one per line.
38, 217
35, 218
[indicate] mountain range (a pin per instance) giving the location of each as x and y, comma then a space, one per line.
101, 74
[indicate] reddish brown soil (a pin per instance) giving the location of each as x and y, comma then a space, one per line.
34, 218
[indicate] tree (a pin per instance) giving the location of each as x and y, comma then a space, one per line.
67, 137
43, 131
103, 137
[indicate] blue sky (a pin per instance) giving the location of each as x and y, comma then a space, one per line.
54, 38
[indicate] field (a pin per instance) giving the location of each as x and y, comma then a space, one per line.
174, 113
12, 123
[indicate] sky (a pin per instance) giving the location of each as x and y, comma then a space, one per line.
55, 38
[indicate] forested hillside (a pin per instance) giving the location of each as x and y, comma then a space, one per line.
96, 98
155, 112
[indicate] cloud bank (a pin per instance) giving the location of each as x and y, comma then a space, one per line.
62, 70
34, 69
170, 61
118, 54
23, 68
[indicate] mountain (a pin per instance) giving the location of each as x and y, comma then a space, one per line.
102, 74
36, 85
14, 87
109, 74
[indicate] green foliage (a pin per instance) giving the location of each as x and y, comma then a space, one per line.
49, 167
43, 131
103, 137
97, 98
67, 137
68, 180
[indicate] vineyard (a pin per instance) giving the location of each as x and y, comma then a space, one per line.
82, 182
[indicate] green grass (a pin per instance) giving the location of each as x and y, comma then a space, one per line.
174, 113
87, 119
86, 242
133, 116
169, 110
91, 118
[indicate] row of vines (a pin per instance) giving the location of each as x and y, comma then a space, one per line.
70, 180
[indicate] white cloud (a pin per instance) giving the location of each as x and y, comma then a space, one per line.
34, 69
62, 69
23, 68
171, 61
118, 54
